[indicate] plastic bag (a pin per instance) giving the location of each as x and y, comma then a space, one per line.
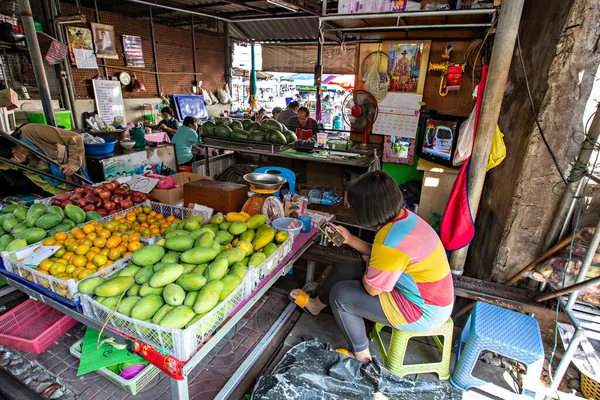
213, 97
498, 152
224, 96
464, 146
207, 99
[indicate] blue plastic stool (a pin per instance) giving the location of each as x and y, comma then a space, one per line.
508, 333
288, 174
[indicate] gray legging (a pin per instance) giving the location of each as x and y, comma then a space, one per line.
350, 303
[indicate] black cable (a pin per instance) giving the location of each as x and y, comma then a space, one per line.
562, 177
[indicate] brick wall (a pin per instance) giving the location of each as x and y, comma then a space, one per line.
174, 55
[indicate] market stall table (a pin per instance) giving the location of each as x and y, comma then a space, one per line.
157, 137
179, 388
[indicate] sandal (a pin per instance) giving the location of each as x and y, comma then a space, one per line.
301, 301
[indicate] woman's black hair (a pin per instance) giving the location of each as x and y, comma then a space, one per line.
305, 110
167, 110
375, 198
189, 120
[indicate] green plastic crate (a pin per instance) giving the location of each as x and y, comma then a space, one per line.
63, 118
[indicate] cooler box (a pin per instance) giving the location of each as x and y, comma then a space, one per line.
63, 118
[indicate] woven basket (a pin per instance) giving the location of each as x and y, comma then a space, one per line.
590, 388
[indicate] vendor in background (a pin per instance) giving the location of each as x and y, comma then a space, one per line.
63, 146
186, 141
289, 113
168, 124
260, 116
276, 111
303, 126
404, 281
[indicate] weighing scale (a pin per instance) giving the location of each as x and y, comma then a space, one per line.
261, 201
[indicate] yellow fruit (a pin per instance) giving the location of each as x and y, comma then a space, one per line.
113, 254
64, 276
100, 259
104, 251
92, 236
57, 268
90, 254
235, 217
45, 265
68, 255
146, 210
60, 236
88, 228
72, 246
87, 241
85, 273
133, 246
90, 265
110, 226
61, 261
79, 261
82, 249
76, 272
70, 268
60, 252
100, 243
48, 242
104, 234
113, 242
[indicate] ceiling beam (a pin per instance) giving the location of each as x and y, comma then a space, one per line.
249, 6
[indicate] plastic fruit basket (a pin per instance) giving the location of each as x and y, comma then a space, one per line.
33, 326
183, 343
589, 387
66, 289
133, 385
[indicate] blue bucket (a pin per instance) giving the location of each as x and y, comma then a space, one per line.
281, 224
103, 148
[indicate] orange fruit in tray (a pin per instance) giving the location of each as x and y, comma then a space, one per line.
127, 254
79, 261
100, 243
85, 273
72, 246
135, 237
86, 241
100, 259
119, 217
79, 235
123, 226
70, 268
133, 246
104, 233
90, 254
45, 265
95, 248
48, 242
60, 236
104, 251
92, 236
69, 240
121, 248
147, 210
113, 242
113, 254
57, 268
110, 226
138, 210
68, 255
82, 249
88, 228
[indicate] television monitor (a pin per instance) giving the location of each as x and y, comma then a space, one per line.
438, 135
190, 105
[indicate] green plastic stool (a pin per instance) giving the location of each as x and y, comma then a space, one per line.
393, 358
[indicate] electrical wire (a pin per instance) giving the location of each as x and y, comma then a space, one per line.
535, 116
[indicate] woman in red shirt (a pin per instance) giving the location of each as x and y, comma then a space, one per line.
303, 126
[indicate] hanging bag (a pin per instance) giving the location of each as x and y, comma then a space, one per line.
498, 152
464, 146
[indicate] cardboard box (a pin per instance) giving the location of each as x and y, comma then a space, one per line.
172, 196
222, 197
8, 99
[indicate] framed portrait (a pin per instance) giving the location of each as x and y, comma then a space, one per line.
78, 39
132, 49
104, 41
400, 150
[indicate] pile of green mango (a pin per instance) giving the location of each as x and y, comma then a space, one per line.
177, 281
22, 225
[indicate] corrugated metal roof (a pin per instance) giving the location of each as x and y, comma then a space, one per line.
276, 30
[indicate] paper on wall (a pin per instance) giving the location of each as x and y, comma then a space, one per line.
85, 59
398, 115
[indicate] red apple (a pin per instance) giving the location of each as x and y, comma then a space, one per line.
136, 199
104, 195
88, 188
90, 199
63, 196
109, 205
65, 203
122, 190
126, 203
111, 212
77, 196
117, 199
102, 212
97, 190
81, 202
55, 202
78, 190
110, 186
145, 196
89, 207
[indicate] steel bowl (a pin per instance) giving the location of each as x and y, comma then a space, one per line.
265, 181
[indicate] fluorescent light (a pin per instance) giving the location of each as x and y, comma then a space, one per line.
284, 4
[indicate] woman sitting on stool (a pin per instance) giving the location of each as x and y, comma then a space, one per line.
186, 141
406, 282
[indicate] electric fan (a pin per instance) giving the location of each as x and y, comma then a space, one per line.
360, 112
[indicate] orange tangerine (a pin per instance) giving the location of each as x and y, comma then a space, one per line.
104, 251
113, 242
130, 216
88, 228
68, 255
91, 236
151, 213
155, 231
57, 268
135, 237
104, 233
77, 271
118, 233
146, 210
100, 259
90, 265
48, 242
123, 226
72, 246
82, 249
60, 252
113, 254
84, 274
110, 226
127, 254
87, 241
70, 268
138, 210
69, 240
159, 217
90, 254
100, 243
121, 248
45, 265
170, 218
59, 243
133, 246
142, 218
99, 227
79, 235
95, 248
60, 236
146, 233
119, 217
78, 261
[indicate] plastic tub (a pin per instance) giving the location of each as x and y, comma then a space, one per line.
98, 149
33, 326
281, 224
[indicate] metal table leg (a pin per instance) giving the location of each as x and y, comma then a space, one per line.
310, 284
179, 389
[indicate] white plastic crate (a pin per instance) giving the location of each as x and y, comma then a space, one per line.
183, 343
67, 289
133, 385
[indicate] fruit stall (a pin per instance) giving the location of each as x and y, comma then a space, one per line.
168, 281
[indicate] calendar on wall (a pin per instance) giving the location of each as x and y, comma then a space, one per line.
396, 122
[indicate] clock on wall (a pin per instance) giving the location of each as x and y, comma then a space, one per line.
124, 78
